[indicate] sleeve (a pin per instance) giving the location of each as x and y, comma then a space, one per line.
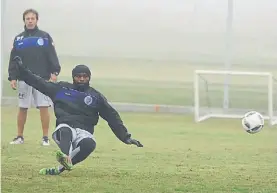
109, 114
48, 88
12, 65
52, 57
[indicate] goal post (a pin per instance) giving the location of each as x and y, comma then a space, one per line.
246, 91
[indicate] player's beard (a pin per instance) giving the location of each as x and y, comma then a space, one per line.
81, 86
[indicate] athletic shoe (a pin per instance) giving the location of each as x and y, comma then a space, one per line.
49, 171
64, 160
17, 140
45, 141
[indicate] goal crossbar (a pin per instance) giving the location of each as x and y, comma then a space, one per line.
199, 118
226, 72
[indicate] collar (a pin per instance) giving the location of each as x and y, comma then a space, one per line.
31, 31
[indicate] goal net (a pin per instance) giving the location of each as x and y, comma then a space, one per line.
230, 94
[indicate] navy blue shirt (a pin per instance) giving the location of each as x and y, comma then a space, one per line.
36, 49
76, 108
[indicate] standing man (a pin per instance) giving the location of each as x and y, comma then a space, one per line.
36, 48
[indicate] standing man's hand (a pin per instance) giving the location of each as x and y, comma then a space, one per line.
53, 78
13, 84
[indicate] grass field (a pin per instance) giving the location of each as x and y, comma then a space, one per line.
179, 156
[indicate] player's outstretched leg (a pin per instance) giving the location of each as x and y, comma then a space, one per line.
84, 148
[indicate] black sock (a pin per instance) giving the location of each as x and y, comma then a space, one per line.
61, 169
65, 138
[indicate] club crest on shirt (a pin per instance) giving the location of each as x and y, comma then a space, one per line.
40, 41
88, 100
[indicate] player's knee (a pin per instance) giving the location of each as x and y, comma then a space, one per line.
64, 132
87, 145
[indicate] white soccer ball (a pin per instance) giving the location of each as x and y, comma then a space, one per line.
253, 122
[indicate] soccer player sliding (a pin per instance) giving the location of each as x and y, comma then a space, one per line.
77, 108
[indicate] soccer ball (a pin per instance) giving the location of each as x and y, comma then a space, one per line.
253, 122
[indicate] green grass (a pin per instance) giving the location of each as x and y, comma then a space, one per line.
179, 156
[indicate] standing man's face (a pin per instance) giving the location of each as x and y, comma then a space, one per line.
30, 20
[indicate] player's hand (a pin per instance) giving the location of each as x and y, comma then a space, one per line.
13, 84
134, 142
53, 78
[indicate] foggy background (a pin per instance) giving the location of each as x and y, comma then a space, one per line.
146, 51
186, 30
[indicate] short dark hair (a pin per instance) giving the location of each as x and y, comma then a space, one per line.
30, 11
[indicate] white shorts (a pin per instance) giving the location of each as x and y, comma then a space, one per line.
28, 95
77, 135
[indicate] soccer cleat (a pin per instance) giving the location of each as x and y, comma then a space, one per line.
49, 171
17, 140
64, 160
45, 141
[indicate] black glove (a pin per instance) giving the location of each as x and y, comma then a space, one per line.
134, 142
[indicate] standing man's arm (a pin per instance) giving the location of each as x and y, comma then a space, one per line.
53, 60
12, 68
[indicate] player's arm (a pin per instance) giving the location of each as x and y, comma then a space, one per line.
108, 113
48, 88
53, 60
12, 70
